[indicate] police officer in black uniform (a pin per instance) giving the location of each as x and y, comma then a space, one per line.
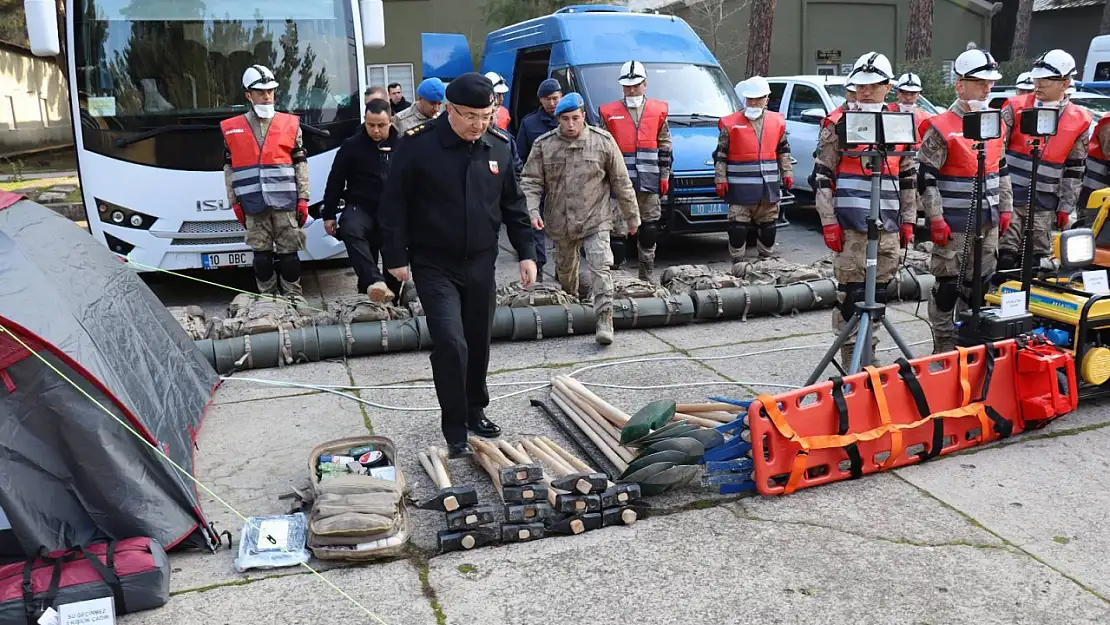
358, 177
451, 186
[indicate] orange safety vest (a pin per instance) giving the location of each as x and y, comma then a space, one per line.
1098, 165
1054, 153
263, 177
503, 118
956, 178
638, 144
852, 194
752, 161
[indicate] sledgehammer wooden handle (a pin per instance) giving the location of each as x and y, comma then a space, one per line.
426, 462
441, 471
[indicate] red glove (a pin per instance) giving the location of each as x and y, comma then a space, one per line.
1004, 220
302, 212
907, 235
940, 231
664, 186
788, 183
1062, 219
834, 237
239, 216
722, 189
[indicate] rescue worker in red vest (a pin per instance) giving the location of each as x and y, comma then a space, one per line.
948, 165
502, 119
752, 165
907, 91
1060, 173
639, 124
266, 174
844, 212
1024, 84
1098, 161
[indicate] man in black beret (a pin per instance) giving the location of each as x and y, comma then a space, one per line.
451, 186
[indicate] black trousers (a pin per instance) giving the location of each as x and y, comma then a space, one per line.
360, 232
458, 299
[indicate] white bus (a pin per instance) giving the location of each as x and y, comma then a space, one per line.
150, 81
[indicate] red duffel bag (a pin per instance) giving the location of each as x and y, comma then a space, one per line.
135, 572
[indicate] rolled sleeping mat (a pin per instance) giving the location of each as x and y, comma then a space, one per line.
652, 312
910, 287
806, 296
269, 349
736, 302
207, 348
537, 322
382, 337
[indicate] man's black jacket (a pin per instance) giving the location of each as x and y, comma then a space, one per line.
358, 173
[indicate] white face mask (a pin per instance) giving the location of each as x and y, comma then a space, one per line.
978, 105
264, 111
753, 112
906, 108
635, 101
868, 107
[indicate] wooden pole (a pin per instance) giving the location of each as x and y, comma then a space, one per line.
426, 462
487, 464
589, 410
566, 455
692, 420
712, 406
603, 428
610, 453
605, 408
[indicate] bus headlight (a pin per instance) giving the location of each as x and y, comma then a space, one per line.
118, 217
122, 216
1075, 248
136, 220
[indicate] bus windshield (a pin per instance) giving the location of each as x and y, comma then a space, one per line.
145, 65
688, 90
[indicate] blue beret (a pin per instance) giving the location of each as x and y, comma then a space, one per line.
431, 89
548, 87
570, 102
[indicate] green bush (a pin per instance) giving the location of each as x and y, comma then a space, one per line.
1012, 69
933, 85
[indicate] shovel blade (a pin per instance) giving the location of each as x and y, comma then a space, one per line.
652, 416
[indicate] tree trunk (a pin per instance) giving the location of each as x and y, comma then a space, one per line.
759, 37
1021, 32
1104, 25
919, 35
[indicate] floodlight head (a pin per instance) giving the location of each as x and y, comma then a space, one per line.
1075, 248
983, 125
858, 128
898, 128
1039, 122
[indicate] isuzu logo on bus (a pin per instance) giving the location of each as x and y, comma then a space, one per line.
211, 205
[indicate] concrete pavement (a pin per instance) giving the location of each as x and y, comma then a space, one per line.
1011, 533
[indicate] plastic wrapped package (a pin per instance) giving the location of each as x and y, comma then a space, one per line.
270, 542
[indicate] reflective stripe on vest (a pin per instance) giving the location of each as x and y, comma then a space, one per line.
263, 177
1054, 152
752, 162
852, 194
1097, 177
956, 178
639, 144
503, 118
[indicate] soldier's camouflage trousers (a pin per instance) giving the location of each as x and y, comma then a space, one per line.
946, 302
752, 215
1043, 223
650, 211
850, 267
272, 234
599, 256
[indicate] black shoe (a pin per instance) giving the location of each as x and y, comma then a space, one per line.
485, 428
459, 450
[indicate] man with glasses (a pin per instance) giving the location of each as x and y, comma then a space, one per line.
1060, 172
949, 165
450, 187
844, 200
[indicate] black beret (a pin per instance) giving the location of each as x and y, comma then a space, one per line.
471, 89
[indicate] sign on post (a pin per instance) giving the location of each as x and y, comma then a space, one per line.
828, 56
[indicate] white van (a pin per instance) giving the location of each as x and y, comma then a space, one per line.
1097, 67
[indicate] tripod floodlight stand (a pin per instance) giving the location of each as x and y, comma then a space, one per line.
869, 313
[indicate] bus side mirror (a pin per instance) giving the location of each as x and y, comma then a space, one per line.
373, 23
42, 27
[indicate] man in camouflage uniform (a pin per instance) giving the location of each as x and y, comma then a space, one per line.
844, 197
266, 175
948, 165
573, 170
429, 101
1098, 167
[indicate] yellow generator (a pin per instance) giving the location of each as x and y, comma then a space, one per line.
1066, 313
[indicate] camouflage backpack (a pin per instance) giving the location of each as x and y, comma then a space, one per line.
779, 272
627, 287
358, 309
689, 278
540, 294
192, 320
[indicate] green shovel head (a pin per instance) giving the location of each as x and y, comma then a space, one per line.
652, 416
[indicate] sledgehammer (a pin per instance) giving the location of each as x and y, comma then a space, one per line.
449, 498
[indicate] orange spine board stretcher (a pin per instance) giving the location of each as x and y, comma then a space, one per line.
900, 414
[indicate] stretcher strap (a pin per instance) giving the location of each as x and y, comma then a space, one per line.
896, 446
905, 371
852, 449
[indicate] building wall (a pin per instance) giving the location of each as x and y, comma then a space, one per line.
1068, 29
852, 27
33, 103
405, 20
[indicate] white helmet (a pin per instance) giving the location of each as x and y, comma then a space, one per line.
499, 85
1053, 64
259, 77
871, 69
977, 64
632, 73
850, 87
1025, 81
755, 87
908, 82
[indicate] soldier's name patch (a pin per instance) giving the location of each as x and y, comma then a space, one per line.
494, 167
